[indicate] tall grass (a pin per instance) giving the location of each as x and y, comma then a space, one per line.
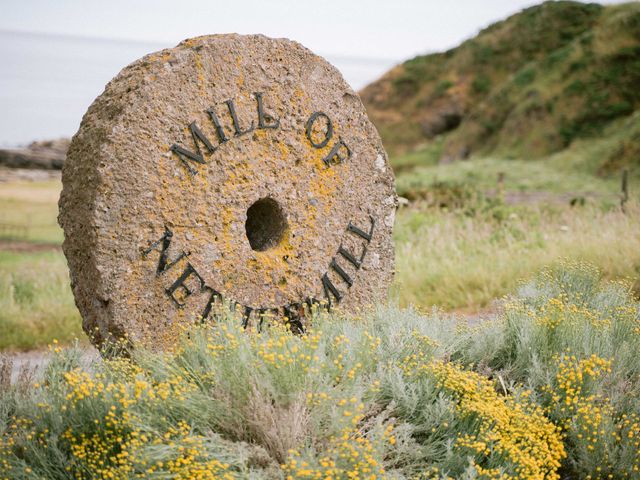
36, 304
28, 211
459, 260
462, 257
547, 390
455, 259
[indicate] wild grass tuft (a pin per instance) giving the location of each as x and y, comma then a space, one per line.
36, 304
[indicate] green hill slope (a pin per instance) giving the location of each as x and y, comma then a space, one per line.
526, 87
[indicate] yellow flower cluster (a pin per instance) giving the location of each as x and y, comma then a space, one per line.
348, 456
570, 395
589, 417
411, 363
18, 428
126, 392
517, 432
282, 350
560, 310
116, 448
115, 453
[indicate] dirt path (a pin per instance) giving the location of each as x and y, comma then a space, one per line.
33, 362
21, 246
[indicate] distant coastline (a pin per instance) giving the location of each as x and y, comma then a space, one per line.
49, 80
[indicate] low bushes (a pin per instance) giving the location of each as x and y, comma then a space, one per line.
549, 389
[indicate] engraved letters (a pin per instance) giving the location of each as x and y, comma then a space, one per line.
165, 241
330, 290
215, 295
265, 121
309, 129
164, 264
181, 283
234, 118
334, 157
190, 281
339, 152
185, 154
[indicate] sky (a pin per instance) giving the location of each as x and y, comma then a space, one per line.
392, 30
48, 82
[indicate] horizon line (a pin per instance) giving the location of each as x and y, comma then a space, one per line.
173, 44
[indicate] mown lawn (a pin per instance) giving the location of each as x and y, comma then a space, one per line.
29, 211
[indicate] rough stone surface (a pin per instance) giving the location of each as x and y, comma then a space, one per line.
257, 225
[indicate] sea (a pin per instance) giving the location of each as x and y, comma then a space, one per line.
47, 82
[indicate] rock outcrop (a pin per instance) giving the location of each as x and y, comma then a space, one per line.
46, 155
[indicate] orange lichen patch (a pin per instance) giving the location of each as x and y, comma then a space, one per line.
326, 183
161, 57
273, 260
228, 216
240, 80
283, 150
200, 72
190, 42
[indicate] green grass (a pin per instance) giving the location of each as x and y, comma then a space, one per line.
28, 211
465, 241
463, 259
549, 389
587, 167
519, 176
36, 304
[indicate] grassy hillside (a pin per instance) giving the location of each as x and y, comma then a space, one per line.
535, 84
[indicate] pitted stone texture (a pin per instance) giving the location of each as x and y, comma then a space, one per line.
124, 188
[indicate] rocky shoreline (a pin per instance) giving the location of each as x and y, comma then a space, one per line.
41, 155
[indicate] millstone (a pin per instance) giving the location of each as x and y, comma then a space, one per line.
228, 172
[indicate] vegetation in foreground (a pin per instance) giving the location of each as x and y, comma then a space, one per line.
549, 389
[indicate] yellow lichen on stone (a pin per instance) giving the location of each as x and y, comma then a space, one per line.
240, 80
273, 260
200, 72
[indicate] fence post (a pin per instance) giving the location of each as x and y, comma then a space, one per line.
500, 191
625, 189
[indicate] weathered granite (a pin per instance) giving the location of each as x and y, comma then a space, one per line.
274, 211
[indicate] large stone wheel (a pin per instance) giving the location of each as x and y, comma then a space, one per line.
229, 170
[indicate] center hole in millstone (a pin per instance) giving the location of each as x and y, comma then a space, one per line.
265, 225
